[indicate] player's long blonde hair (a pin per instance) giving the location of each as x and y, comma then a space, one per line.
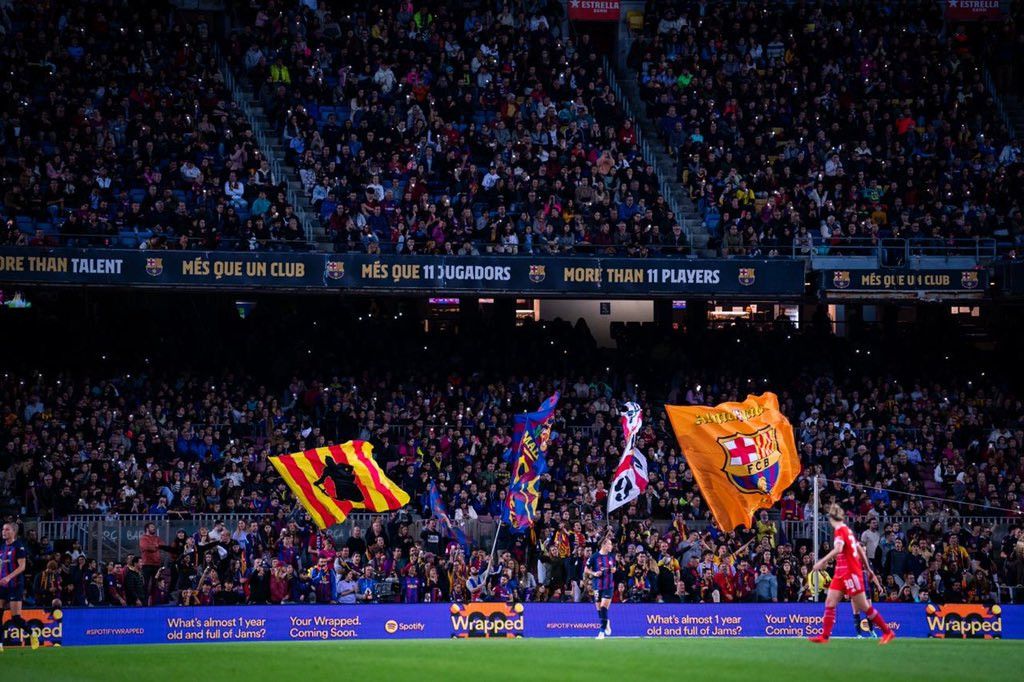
835, 512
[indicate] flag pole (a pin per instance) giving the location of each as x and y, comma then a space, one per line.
817, 513
494, 546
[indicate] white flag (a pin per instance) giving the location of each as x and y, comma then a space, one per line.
630, 477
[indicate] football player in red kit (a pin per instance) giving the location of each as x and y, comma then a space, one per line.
849, 579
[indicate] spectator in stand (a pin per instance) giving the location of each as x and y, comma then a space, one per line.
134, 584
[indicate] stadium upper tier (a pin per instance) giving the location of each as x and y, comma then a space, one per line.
835, 125
428, 128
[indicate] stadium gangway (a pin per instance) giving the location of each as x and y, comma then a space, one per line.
239, 96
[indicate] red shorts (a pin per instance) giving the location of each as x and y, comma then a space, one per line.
850, 584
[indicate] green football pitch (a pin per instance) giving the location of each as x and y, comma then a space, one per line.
756, 660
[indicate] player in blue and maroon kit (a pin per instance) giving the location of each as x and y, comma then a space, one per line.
13, 557
601, 568
851, 561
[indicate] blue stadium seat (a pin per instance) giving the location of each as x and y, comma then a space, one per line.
25, 224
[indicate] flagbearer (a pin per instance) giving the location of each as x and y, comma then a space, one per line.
601, 567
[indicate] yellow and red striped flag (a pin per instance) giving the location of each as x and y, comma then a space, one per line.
330, 482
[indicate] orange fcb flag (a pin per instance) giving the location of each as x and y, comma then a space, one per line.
743, 455
330, 482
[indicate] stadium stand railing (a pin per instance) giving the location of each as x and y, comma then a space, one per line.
113, 537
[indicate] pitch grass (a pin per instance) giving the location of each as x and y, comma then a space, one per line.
615, 660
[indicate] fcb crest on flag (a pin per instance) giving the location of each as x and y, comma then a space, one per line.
743, 455
752, 460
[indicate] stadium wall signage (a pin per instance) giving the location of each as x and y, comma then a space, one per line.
973, 10
594, 10
522, 275
175, 625
905, 281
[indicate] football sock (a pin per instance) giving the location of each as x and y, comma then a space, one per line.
603, 612
876, 618
828, 622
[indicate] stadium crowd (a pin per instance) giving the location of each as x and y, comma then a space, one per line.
117, 129
831, 126
426, 128
174, 444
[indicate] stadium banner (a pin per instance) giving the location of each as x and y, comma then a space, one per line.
173, 625
520, 275
973, 10
907, 281
594, 10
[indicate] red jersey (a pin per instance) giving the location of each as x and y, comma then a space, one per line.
847, 561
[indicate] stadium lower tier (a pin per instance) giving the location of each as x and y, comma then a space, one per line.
176, 625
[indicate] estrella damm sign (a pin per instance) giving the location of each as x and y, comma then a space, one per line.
964, 621
752, 460
487, 620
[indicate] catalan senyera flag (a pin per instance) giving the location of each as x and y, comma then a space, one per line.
330, 482
528, 456
743, 455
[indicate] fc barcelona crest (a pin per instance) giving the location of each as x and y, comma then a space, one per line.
154, 266
841, 279
752, 460
537, 274
747, 276
969, 279
335, 269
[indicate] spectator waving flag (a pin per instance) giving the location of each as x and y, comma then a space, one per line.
330, 482
631, 475
742, 454
528, 456
439, 512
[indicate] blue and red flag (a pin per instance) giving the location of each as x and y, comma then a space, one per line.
439, 512
528, 456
